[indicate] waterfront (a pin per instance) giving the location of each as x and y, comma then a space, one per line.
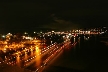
87, 56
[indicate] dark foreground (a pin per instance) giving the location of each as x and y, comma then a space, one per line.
87, 56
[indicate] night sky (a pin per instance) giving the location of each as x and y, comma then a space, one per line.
53, 14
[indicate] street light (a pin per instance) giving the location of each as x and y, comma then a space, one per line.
25, 33
34, 32
3, 36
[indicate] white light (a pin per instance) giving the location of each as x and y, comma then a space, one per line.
102, 32
69, 33
40, 32
77, 30
25, 33
9, 33
52, 31
3, 36
34, 32
67, 36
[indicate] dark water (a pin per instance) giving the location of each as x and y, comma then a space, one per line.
87, 56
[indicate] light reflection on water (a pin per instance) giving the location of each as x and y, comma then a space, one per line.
18, 60
74, 39
31, 52
38, 57
79, 42
25, 55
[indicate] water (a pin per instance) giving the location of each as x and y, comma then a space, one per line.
87, 56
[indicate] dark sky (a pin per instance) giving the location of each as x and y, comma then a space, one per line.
53, 14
